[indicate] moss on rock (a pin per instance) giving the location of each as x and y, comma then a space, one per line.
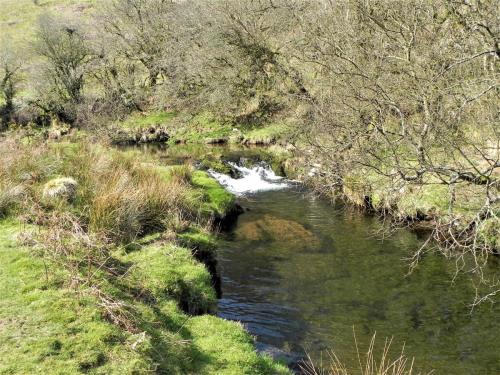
60, 188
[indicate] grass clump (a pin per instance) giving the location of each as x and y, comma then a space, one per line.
10, 197
230, 349
370, 363
170, 271
199, 239
217, 201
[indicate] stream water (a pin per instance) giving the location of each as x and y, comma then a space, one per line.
301, 275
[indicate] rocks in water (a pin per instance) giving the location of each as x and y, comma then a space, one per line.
60, 188
271, 228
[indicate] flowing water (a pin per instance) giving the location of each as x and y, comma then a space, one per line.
300, 274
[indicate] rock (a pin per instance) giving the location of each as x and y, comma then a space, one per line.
271, 228
60, 188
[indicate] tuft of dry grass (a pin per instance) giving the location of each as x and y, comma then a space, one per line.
181, 174
10, 196
116, 195
127, 207
369, 363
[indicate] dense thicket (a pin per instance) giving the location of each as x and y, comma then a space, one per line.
390, 95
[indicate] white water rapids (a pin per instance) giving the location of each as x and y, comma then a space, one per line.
255, 179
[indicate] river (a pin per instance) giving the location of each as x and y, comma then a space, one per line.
302, 275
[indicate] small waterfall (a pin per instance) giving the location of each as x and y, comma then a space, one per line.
255, 179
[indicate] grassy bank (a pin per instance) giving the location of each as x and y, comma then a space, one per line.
99, 268
202, 128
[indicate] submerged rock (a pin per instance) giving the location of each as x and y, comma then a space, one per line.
272, 228
60, 188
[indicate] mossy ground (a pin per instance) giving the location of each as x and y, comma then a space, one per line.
206, 128
202, 128
138, 121
215, 198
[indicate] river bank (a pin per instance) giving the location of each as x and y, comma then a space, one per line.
299, 272
425, 206
178, 229
110, 272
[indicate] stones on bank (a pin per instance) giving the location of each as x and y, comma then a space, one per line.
153, 134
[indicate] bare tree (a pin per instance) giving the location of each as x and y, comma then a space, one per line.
10, 66
406, 98
246, 65
67, 56
142, 32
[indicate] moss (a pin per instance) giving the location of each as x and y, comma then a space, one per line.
217, 201
215, 164
60, 188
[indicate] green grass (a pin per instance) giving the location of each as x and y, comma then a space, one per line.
131, 310
202, 128
139, 121
195, 238
47, 328
18, 18
229, 349
170, 271
267, 134
216, 200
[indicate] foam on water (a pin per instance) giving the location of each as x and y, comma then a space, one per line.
258, 178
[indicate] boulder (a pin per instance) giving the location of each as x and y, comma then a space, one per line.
60, 188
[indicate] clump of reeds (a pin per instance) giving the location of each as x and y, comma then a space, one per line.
180, 174
117, 198
369, 363
10, 196
130, 203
